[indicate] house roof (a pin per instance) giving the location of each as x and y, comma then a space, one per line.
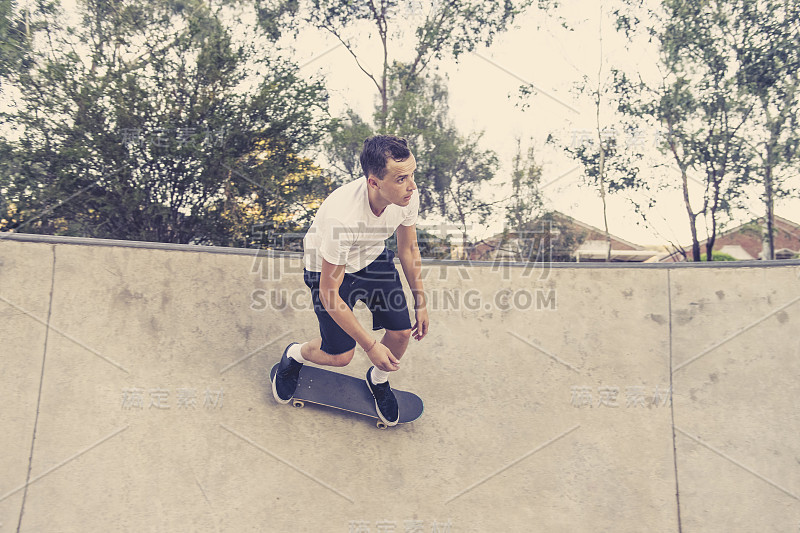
592, 235
746, 242
788, 225
597, 230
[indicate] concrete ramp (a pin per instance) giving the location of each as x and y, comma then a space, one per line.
570, 398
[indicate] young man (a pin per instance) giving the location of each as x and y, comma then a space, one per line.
346, 260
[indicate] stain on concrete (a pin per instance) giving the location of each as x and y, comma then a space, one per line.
782, 317
628, 293
127, 296
683, 316
245, 331
658, 319
720, 295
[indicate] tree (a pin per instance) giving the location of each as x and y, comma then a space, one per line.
472, 168
599, 173
14, 37
526, 197
344, 145
768, 46
447, 29
697, 102
525, 203
606, 166
158, 122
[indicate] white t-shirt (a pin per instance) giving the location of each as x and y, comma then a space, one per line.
346, 231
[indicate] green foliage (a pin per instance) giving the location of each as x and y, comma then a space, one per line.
431, 246
698, 104
158, 122
452, 168
14, 38
457, 27
753, 229
729, 100
769, 51
718, 256
526, 198
560, 238
620, 172
344, 144
446, 29
276, 16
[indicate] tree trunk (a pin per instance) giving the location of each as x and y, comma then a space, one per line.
685, 187
384, 88
769, 199
601, 178
602, 165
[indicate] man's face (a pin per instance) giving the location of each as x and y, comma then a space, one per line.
398, 182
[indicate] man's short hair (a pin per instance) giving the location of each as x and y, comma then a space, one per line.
377, 151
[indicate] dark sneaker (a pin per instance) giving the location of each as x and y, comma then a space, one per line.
285, 381
385, 402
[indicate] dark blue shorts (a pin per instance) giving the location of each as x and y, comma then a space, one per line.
378, 286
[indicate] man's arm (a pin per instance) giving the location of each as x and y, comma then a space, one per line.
411, 261
329, 282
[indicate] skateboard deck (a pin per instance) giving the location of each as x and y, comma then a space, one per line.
347, 393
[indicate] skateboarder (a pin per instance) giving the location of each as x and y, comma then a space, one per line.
346, 260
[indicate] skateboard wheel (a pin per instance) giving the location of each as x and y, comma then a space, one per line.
381, 425
298, 403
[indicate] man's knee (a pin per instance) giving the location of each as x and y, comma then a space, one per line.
343, 359
401, 335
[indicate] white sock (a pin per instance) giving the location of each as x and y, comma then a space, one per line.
378, 376
296, 353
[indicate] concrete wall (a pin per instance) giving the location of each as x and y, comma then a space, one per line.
593, 398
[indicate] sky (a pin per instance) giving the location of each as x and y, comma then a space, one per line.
484, 97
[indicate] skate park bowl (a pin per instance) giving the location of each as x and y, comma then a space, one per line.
563, 397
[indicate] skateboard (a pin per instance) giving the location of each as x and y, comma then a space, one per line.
347, 393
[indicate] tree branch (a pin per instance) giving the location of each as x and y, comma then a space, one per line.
352, 53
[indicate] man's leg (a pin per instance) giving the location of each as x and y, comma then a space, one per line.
294, 357
336, 341
312, 353
396, 341
378, 380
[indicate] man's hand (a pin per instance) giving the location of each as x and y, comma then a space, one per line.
383, 358
420, 328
